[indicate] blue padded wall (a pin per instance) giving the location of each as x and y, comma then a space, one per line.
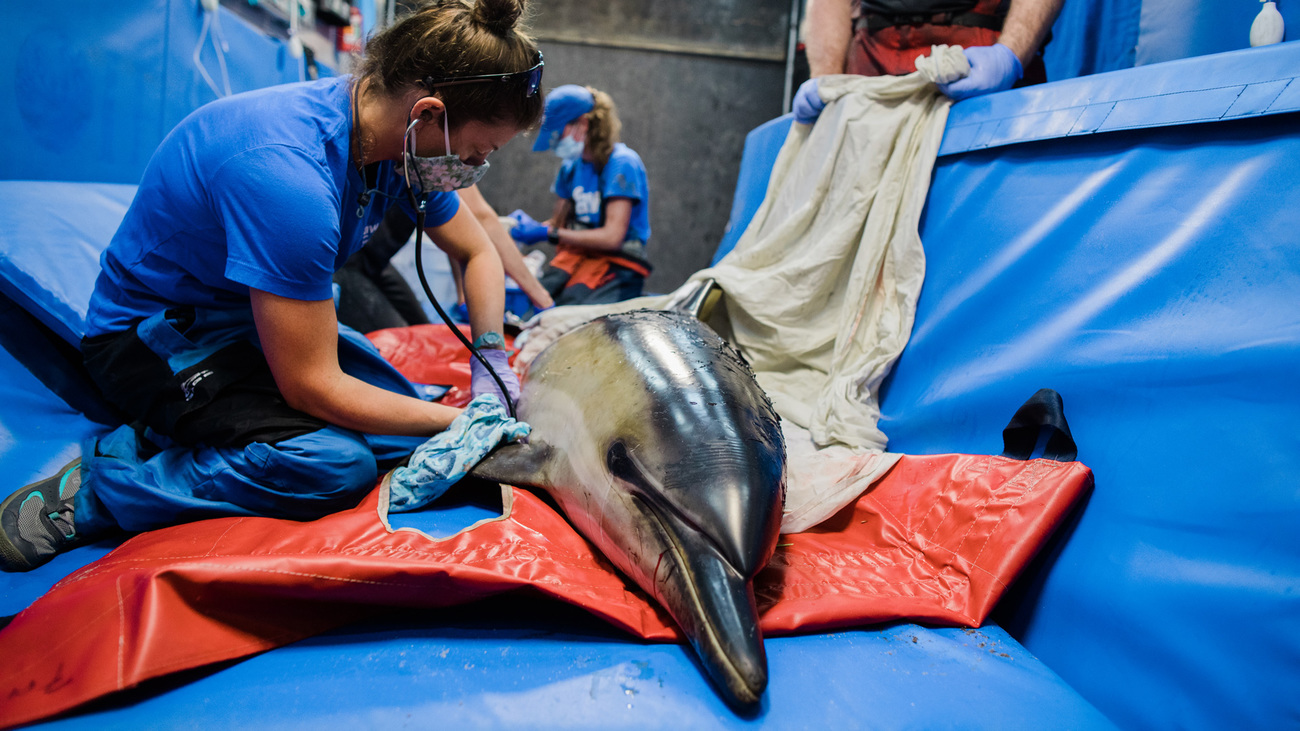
1092, 36
1150, 277
1149, 274
97, 85
1173, 29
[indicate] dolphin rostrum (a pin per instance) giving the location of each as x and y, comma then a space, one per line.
651, 434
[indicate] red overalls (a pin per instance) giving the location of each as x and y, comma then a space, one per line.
883, 46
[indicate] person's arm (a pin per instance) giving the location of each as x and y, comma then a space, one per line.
1026, 25
561, 214
609, 237
485, 285
828, 31
300, 340
511, 259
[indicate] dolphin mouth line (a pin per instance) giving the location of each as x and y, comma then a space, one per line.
679, 558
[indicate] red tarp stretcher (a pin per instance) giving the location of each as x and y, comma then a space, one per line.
938, 539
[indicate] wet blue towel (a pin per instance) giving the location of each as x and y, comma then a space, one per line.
448, 456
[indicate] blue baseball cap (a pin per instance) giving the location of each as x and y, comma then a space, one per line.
563, 105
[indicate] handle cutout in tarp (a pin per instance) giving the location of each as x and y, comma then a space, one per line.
1044, 412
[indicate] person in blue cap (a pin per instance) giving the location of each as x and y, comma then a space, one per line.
601, 222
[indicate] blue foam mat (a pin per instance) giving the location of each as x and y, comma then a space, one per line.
520, 663
517, 664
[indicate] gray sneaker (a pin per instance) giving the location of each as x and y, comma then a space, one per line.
36, 521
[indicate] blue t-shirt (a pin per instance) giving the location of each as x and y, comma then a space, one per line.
254, 190
623, 177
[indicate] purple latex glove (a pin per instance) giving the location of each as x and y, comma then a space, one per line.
808, 104
481, 381
992, 68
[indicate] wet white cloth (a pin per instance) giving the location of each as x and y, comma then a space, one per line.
821, 289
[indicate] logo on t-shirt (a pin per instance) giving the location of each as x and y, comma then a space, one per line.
369, 231
586, 204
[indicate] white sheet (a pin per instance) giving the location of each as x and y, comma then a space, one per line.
821, 289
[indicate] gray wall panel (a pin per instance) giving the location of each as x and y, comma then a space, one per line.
686, 113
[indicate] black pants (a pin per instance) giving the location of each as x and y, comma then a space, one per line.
372, 294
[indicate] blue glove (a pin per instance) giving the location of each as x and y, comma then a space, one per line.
808, 104
526, 230
447, 457
992, 68
460, 313
481, 382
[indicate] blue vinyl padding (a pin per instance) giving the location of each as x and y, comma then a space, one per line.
515, 663
1174, 29
50, 243
96, 85
1253, 82
1092, 37
1151, 278
762, 145
518, 662
39, 433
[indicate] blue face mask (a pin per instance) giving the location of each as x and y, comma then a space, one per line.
568, 148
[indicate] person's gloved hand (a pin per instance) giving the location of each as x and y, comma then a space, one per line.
992, 68
449, 455
482, 382
808, 104
527, 230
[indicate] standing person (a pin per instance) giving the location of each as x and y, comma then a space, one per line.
1002, 39
212, 323
601, 222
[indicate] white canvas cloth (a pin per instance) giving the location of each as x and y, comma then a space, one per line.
821, 289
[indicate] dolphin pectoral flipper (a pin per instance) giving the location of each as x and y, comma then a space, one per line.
521, 464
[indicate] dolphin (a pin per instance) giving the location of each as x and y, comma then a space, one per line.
652, 436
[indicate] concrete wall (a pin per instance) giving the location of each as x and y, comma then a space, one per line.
690, 80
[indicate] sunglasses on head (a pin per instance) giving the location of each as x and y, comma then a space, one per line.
531, 77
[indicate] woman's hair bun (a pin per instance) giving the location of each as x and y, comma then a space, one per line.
498, 16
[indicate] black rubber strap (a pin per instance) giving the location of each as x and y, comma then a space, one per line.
1044, 411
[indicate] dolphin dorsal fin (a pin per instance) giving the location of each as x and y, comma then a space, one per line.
699, 303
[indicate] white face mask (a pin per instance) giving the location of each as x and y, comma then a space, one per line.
443, 173
568, 148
